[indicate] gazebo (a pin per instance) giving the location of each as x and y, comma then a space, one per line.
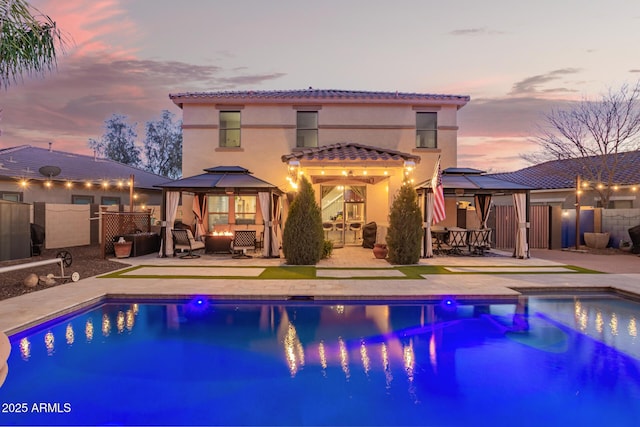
229, 181
467, 182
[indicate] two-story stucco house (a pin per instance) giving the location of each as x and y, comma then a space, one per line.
356, 147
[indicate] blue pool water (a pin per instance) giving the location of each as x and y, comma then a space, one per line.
535, 361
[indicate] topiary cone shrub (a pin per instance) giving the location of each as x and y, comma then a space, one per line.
405, 227
303, 237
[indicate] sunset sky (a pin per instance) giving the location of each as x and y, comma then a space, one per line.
516, 60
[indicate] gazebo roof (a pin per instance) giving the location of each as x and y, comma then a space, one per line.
473, 180
219, 177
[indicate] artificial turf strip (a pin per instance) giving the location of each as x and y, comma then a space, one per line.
284, 273
309, 273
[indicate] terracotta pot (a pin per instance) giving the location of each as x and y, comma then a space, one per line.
122, 250
380, 250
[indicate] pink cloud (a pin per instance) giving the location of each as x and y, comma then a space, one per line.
92, 27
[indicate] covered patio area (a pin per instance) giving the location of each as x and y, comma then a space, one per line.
221, 201
471, 188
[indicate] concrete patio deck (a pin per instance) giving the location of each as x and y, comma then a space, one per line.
495, 276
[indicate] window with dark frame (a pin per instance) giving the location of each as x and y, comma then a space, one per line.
230, 129
217, 210
81, 200
426, 130
11, 196
106, 200
307, 129
245, 209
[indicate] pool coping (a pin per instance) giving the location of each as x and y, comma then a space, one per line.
39, 307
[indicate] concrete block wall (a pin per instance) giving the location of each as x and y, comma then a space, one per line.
617, 222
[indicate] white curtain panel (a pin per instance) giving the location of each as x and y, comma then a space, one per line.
520, 201
428, 219
171, 209
276, 230
266, 219
199, 213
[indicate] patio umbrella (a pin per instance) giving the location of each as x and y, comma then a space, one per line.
483, 206
199, 212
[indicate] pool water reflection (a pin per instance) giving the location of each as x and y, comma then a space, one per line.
530, 361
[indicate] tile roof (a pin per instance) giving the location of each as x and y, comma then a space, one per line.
557, 174
348, 151
317, 95
26, 161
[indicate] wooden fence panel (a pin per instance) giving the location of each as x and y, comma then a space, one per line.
506, 225
539, 233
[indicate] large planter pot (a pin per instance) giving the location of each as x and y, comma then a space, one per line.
380, 250
122, 249
596, 240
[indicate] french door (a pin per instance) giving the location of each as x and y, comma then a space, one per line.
343, 213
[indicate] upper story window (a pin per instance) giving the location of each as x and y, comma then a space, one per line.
307, 129
426, 130
229, 128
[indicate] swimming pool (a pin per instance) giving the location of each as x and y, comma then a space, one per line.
537, 360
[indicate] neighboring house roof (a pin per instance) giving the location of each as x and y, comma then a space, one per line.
322, 95
219, 177
559, 174
26, 162
475, 181
348, 151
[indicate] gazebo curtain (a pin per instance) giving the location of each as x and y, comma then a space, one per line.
275, 230
266, 219
483, 206
200, 211
519, 201
171, 208
428, 219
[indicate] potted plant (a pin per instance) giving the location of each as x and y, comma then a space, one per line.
122, 248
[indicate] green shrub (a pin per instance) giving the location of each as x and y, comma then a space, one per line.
303, 237
405, 232
327, 249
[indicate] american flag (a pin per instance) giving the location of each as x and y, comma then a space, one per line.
439, 213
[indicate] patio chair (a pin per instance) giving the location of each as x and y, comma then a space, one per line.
457, 240
183, 240
242, 242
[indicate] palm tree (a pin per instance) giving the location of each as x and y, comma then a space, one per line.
29, 41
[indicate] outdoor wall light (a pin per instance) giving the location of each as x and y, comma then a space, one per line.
409, 165
68, 184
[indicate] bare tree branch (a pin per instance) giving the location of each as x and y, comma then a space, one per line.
596, 134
